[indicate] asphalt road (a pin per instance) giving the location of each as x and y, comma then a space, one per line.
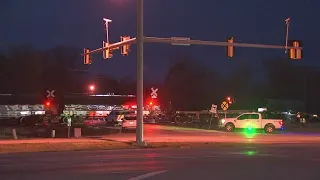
159, 133
256, 162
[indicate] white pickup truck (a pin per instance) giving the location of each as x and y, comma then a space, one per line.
251, 121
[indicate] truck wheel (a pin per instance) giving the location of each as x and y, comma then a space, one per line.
269, 128
229, 127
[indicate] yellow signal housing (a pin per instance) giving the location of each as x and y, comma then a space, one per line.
86, 57
107, 53
125, 49
295, 54
230, 48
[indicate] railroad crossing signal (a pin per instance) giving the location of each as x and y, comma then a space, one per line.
125, 49
51, 94
154, 93
230, 48
86, 56
48, 104
230, 100
224, 105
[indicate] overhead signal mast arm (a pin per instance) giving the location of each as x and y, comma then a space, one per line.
112, 46
214, 43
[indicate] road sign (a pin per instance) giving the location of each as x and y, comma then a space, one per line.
154, 93
50, 94
224, 105
180, 41
213, 108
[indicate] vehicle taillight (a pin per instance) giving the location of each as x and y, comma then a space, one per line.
281, 123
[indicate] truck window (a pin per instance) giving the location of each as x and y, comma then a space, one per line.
243, 117
254, 116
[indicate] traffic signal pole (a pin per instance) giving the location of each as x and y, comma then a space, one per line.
140, 40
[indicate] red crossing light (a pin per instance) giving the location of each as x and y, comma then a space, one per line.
47, 103
230, 100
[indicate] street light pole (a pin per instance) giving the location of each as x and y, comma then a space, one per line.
107, 21
287, 33
139, 41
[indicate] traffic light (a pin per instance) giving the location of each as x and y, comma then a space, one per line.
230, 48
86, 56
295, 53
125, 49
107, 53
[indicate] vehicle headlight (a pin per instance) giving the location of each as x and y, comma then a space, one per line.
223, 121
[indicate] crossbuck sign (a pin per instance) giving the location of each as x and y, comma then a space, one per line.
50, 94
154, 93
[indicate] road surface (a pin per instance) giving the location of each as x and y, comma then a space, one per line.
160, 133
256, 162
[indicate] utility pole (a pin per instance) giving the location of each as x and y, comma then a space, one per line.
140, 41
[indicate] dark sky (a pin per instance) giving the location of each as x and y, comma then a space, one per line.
48, 23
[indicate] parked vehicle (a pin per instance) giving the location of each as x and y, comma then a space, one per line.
129, 122
115, 117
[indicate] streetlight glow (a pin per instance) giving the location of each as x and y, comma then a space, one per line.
91, 87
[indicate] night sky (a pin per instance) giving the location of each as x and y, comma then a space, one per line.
49, 23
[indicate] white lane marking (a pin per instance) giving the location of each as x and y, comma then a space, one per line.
144, 176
